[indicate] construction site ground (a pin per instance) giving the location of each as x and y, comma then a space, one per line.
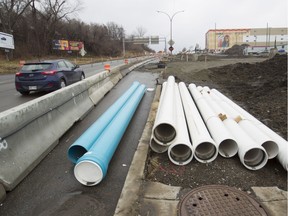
257, 84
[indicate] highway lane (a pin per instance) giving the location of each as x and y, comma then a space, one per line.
92, 69
51, 188
9, 97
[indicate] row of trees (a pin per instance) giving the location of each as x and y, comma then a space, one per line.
35, 23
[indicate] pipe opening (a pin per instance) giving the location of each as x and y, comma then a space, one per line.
165, 133
88, 173
254, 157
180, 153
205, 151
271, 149
75, 152
228, 148
157, 147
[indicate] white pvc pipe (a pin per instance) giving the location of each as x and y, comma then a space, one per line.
252, 155
227, 144
282, 143
180, 152
156, 147
164, 129
205, 149
261, 138
250, 128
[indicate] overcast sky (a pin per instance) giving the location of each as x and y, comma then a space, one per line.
189, 27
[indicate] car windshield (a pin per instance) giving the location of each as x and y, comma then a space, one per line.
36, 67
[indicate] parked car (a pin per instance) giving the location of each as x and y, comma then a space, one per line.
48, 75
161, 64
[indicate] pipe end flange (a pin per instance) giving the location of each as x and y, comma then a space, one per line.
88, 173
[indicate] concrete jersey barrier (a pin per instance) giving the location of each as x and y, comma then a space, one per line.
31, 130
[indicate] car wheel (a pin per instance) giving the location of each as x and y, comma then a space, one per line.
62, 83
24, 92
82, 76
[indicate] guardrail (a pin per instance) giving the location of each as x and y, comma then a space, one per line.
30, 131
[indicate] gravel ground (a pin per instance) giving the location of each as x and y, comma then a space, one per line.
258, 85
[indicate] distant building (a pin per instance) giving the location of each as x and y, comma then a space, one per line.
258, 39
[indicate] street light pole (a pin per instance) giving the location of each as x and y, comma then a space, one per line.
171, 20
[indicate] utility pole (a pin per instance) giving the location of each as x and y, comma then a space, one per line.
124, 47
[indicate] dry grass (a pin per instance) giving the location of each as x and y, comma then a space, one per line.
9, 67
12, 66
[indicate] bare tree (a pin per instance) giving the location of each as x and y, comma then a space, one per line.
46, 17
115, 31
35, 23
10, 13
140, 31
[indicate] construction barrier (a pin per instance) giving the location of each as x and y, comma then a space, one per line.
31, 130
107, 67
22, 62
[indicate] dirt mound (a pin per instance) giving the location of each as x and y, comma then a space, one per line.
236, 50
257, 85
260, 88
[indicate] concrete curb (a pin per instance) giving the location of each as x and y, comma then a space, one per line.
144, 198
159, 199
273, 199
129, 198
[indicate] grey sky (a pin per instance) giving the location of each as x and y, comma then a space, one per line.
190, 26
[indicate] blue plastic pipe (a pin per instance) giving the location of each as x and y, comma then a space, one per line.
85, 141
92, 167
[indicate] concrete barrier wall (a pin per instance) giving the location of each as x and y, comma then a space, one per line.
30, 141
30, 131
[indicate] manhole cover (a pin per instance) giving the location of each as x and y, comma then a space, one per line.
219, 200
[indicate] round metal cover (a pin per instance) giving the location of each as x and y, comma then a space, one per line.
219, 200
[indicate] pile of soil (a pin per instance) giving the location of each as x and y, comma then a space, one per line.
261, 89
236, 50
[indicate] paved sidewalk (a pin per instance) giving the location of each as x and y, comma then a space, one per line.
139, 198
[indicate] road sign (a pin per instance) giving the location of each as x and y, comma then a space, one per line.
154, 39
171, 48
141, 40
171, 42
82, 52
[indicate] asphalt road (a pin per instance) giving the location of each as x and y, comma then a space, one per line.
9, 97
51, 188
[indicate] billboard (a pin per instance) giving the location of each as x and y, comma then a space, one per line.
60, 44
75, 45
223, 40
67, 45
6, 41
